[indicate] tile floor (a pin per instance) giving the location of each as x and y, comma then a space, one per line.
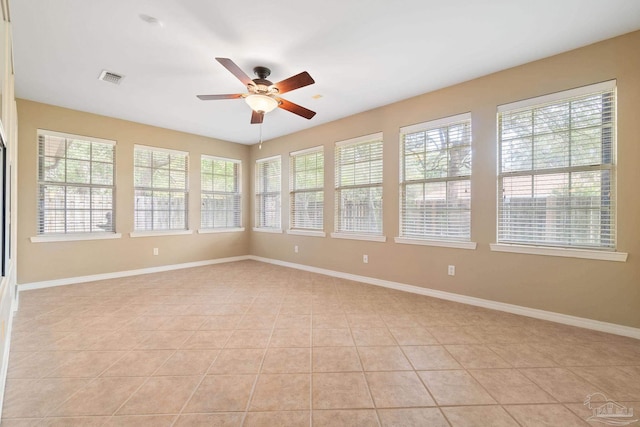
252, 344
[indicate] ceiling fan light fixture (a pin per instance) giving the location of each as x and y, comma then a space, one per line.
261, 103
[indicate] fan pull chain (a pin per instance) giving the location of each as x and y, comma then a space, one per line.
260, 146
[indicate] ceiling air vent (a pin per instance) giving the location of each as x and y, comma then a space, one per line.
110, 77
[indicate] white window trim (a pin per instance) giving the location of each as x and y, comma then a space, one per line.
440, 243
311, 233
220, 230
558, 96
159, 233
268, 230
307, 150
357, 140
42, 132
358, 236
166, 150
560, 252
423, 127
72, 237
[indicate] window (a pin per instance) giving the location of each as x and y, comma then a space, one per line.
359, 185
220, 198
306, 189
268, 187
556, 169
75, 184
160, 180
435, 188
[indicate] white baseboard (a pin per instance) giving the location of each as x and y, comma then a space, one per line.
4, 368
581, 322
119, 274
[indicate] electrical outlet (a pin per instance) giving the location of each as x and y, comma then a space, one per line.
365, 259
452, 270
295, 249
156, 251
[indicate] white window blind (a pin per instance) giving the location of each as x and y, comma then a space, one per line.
556, 169
268, 188
76, 184
221, 193
306, 189
435, 188
160, 181
359, 185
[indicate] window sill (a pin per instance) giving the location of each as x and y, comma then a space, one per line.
159, 233
220, 230
561, 252
268, 230
440, 243
311, 233
74, 237
354, 236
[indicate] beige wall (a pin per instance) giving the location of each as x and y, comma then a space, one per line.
601, 290
48, 261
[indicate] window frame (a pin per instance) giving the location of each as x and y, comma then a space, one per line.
160, 231
294, 191
236, 194
260, 196
430, 240
91, 234
538, 247
374, 141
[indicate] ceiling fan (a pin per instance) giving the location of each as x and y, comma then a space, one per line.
262, 95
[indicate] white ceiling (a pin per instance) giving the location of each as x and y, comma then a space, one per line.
361, 54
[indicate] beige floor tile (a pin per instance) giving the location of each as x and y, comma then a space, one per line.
399, 389
278, 418
401, 320
479, 416
141, 421
356, 418
330, 321
476, 356
561, 383
138, 363
508, 386
383, 359
20, 422
72, 422
36, 398
452, 335
183, 323
121, 340
291, 338
365, 321
188, 362
522, 355
293, 321
544, 415
257, 321
221, 393
100, 397
372, 337
220, 419
228, 322
238, 361
248, 338
416, 417
281, 392
430, 357
455, 388
165, 340
287, 361
82, 340
412, 336
340, 391
38, 365
160, 395
336, 359
618, 383
202, 340
332, 338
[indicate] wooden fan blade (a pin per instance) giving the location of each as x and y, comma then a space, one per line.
294, 82
256, 117
295, 108
235, 70
212, 97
